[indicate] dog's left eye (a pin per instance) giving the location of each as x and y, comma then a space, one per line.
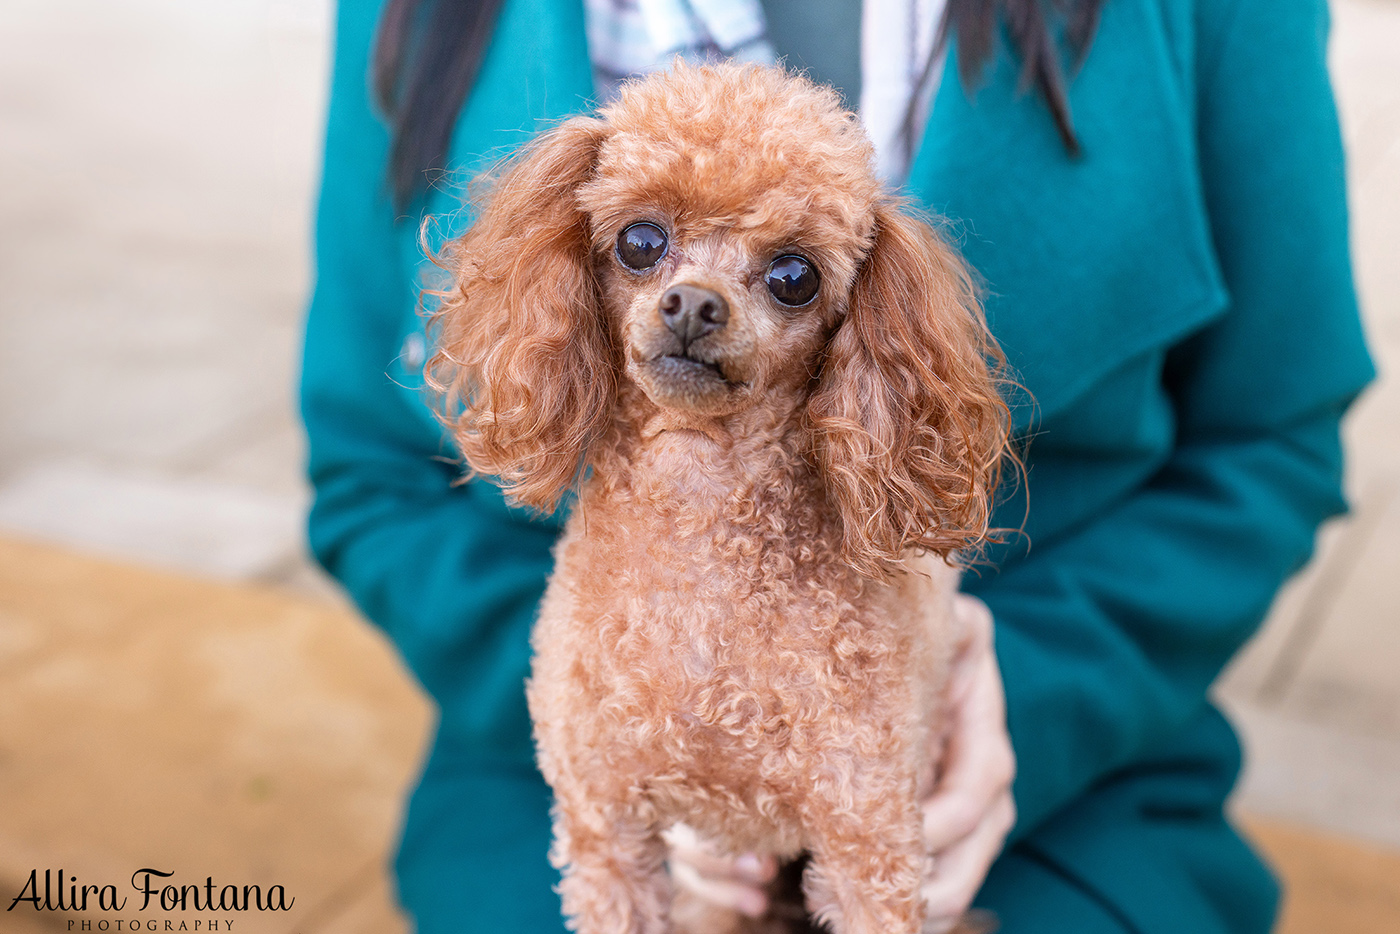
792, 280
641, 246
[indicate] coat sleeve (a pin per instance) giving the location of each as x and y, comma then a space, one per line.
1110, 635
450, 573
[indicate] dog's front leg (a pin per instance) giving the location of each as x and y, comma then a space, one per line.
868, 861
613, 861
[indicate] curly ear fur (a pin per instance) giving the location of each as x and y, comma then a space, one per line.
908, 425
526, 360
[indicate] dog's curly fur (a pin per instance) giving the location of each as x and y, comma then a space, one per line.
734, 635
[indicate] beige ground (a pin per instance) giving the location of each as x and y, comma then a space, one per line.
211, 730
157, 159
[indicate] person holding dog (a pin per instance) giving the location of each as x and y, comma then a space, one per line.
1152, 192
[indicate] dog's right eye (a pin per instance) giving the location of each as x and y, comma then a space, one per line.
641, 246
792, 280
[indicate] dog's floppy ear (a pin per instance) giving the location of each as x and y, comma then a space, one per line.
908, 425
525, 357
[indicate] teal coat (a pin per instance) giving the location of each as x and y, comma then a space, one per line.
1178, 304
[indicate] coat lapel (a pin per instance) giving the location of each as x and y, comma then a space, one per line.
1090, 262
536, 71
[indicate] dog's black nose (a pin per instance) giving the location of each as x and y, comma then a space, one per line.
691, 312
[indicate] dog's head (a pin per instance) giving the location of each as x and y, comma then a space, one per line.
718, 239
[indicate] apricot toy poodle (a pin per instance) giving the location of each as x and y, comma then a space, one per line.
775, 396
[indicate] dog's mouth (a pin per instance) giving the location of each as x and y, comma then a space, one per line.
678, 380
685, 368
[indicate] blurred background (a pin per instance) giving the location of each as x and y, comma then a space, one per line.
181, 689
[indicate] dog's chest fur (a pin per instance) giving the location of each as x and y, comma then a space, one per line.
702, 633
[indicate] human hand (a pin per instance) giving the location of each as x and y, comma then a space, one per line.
739, 883
970, 812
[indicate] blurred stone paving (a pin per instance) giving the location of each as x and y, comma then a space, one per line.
159, 159
228, 734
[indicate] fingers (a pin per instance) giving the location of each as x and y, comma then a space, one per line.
971, 811
974, 620
750, 900
746, 868
734, 882
973, 625
978, 764
961, 868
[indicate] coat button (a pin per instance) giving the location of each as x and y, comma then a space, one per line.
414, 352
